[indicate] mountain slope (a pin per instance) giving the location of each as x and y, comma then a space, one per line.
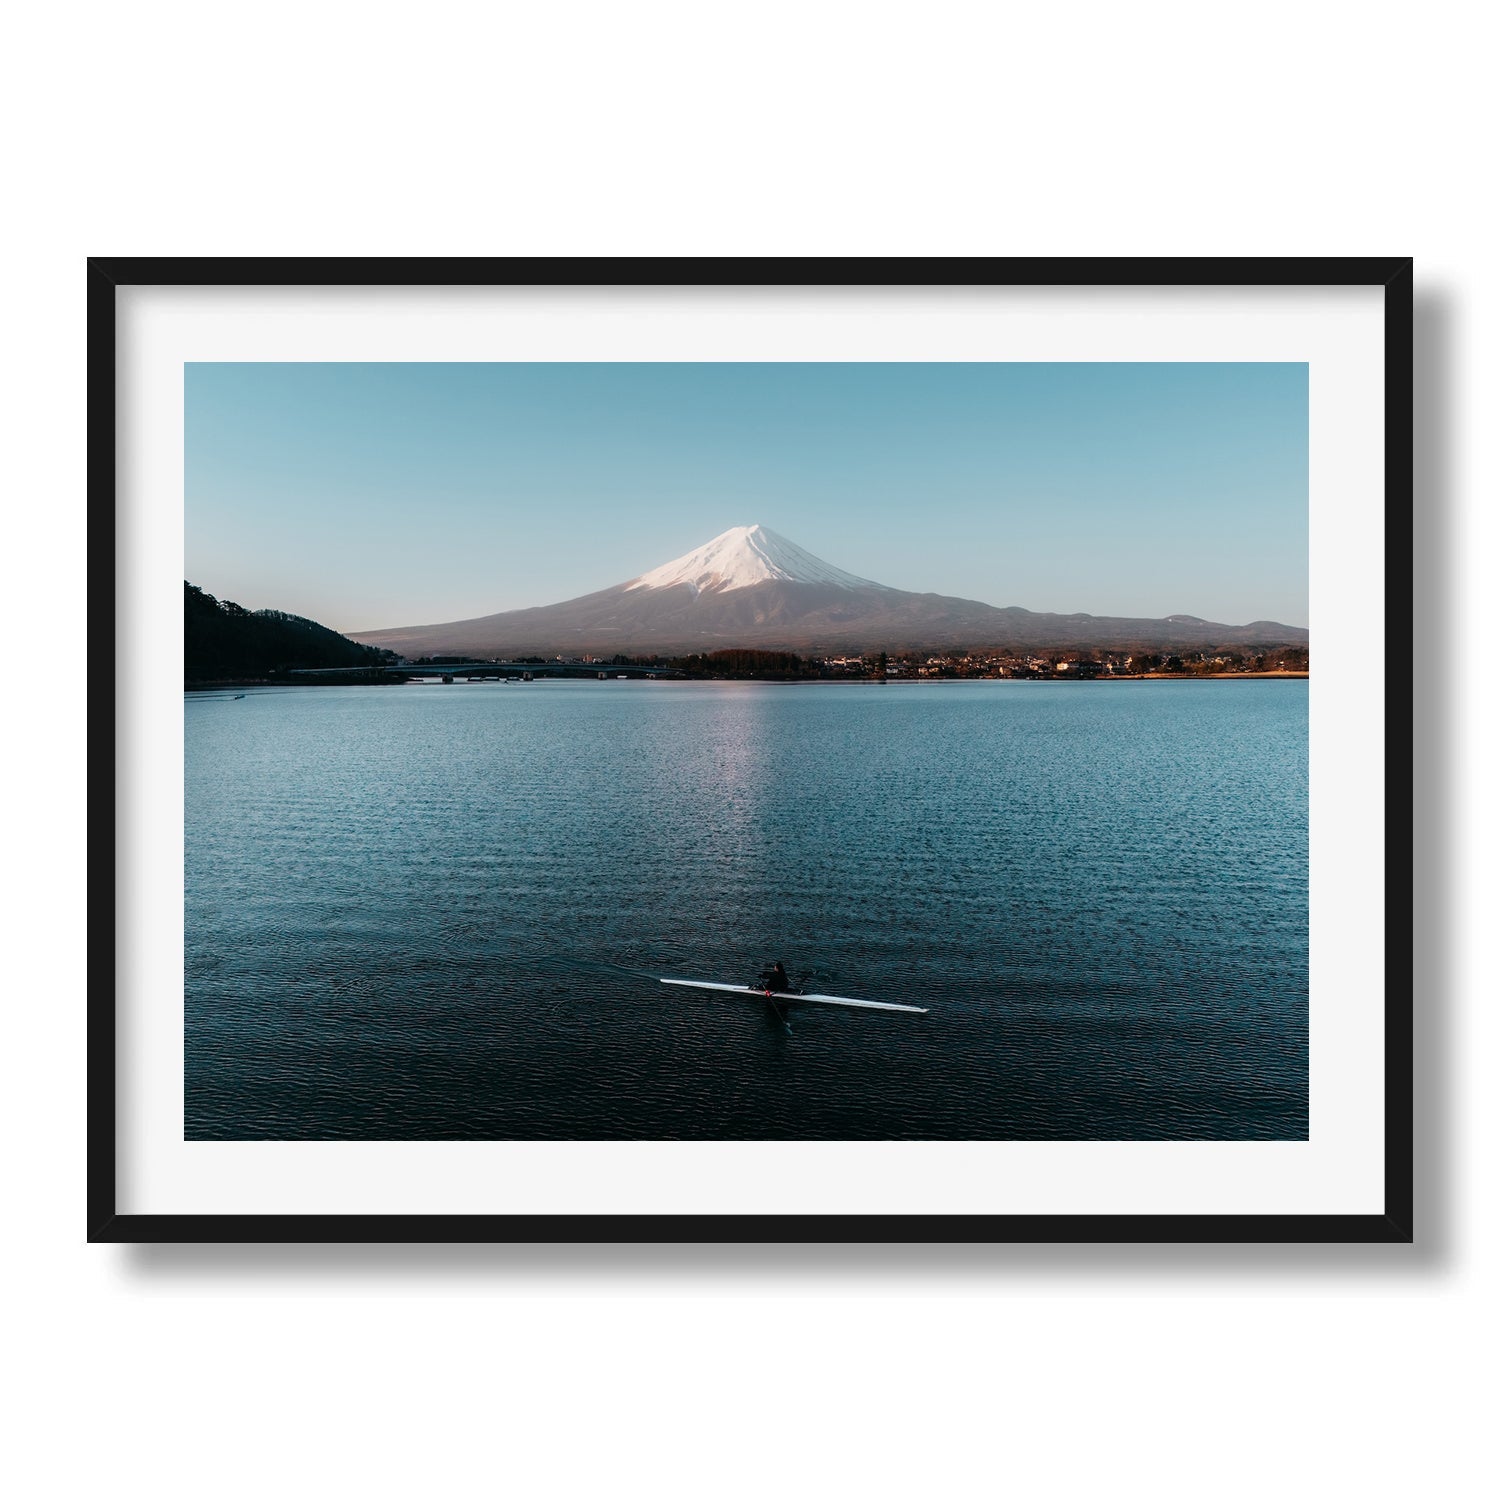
224, 642
743, 557
752, 587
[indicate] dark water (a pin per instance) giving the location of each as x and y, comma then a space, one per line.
413, 912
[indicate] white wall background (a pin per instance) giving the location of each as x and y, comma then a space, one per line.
680, 129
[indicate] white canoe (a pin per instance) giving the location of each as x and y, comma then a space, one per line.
745, 989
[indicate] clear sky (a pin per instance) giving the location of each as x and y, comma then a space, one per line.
369, 495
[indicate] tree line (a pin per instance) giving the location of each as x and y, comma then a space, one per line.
789, 666
785, 666
224, 642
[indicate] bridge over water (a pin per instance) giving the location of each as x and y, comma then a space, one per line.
480, 671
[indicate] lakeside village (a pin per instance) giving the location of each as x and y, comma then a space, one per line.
1056, 665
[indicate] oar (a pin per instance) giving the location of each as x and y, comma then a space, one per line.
774, 1006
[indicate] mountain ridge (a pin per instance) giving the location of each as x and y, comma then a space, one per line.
224, 642
751, 587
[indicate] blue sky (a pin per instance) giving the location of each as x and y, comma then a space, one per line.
367, 495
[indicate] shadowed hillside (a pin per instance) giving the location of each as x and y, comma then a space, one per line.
223, 642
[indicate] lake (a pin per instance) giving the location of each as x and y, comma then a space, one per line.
441, 911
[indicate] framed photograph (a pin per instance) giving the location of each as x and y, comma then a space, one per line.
707, 750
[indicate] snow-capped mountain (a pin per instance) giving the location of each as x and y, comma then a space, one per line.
742, 557
750, 586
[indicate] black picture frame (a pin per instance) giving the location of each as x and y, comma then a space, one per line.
107, 276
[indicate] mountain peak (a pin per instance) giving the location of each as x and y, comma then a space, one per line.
742, 557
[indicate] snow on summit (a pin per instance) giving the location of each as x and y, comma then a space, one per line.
742, 557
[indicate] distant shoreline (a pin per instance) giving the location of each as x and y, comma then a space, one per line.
898, 681
1191, 676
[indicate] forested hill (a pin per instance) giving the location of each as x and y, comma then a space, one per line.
223, 642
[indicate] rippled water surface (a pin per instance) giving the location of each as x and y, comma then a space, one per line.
436, 911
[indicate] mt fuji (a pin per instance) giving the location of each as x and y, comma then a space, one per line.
743, 557
750, 586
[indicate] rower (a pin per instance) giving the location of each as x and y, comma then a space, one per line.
774, 980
